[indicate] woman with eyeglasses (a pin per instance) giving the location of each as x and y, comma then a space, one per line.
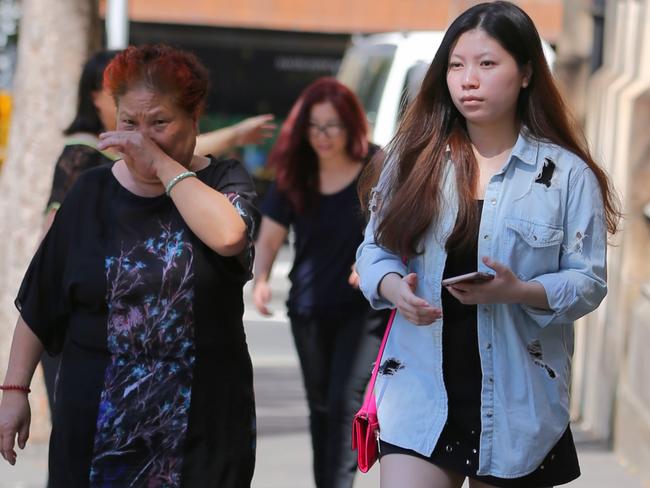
318, 158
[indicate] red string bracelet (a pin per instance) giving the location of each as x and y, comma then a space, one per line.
24, 389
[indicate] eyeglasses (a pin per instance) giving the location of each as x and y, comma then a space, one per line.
330, 130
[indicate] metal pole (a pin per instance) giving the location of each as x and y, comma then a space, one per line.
117, 24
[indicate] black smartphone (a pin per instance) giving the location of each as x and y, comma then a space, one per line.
475, 277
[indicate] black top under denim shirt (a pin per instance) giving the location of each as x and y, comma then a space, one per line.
458, 445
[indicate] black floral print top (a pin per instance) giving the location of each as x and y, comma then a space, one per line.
79, 154
155, 387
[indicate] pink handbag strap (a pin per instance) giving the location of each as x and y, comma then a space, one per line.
371, 385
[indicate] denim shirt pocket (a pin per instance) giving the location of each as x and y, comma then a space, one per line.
534, 247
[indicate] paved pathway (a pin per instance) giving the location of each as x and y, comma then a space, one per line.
284, 453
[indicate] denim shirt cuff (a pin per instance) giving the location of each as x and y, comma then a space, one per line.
559, 297
539, 316
372, 278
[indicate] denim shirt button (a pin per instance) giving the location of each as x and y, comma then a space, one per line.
488, 415
486, 236
488, 345
493, 201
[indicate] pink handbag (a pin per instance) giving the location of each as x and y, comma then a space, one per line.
365, 425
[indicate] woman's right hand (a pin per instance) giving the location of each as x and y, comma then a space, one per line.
254, 130
262, 296
15, 417
401, 292
140, 153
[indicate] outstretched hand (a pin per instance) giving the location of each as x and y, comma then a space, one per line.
401, 292
254, 130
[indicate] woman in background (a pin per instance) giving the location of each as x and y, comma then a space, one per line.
318, 157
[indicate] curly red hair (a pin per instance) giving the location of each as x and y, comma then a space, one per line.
163, 69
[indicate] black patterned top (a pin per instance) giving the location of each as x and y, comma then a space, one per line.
155, 386
79, 154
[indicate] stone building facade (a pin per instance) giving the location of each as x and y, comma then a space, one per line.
611, 383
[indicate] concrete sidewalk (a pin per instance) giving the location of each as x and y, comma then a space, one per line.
284, 462
284, 450
284, 457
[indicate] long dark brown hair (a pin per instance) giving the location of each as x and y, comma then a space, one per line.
292, 156
87, 117
432, 122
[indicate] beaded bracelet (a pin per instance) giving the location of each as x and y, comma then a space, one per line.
24, 389
177, 178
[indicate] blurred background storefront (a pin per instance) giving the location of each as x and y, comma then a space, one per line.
9, 17
262, 54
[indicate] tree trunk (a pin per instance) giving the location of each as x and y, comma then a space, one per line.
54, 40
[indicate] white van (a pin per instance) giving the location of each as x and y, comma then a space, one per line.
386, 70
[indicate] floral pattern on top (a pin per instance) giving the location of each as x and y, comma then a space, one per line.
247, 256
143, 410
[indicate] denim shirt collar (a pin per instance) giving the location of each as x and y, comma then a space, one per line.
525, 149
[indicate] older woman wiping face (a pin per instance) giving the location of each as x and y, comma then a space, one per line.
157, 125
138, 284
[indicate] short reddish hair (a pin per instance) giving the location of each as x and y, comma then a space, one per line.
292, 156
163, 69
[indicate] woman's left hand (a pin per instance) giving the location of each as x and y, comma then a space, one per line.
15, 418
504, 288
140, 153
353, 279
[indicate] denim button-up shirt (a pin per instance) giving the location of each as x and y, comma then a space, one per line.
543, 217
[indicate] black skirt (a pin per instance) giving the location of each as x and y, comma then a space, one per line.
458, 446
560, 465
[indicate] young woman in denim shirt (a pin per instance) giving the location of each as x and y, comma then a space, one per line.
488, 173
